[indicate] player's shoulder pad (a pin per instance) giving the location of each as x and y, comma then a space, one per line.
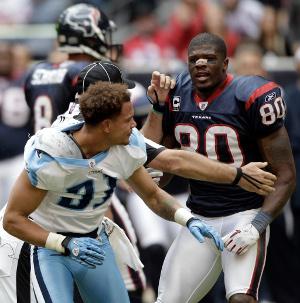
248, 86
34, 67
183, 78
74, 67
55, 143
137, 141
183, 81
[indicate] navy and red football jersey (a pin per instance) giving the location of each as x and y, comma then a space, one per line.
49, 88
224, 127
14, 118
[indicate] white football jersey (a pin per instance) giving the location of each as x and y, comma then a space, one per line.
78, 189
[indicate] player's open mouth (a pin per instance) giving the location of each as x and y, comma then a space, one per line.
202, 76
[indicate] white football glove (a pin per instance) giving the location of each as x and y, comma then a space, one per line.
155, 174
239, 240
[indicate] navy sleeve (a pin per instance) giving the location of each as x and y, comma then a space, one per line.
266, 109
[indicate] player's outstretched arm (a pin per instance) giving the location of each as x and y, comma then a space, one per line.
168, 208
191, 165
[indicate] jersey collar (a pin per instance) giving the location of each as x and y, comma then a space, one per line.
216, 93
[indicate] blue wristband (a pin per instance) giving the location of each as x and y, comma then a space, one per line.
261, 221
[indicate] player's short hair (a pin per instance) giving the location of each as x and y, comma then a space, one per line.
103, 100
209, 39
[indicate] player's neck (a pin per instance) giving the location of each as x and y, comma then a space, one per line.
205, 93
91, 143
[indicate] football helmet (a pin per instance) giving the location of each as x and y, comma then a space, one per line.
83, 28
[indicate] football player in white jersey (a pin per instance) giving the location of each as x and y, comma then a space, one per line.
70, 175
168, 160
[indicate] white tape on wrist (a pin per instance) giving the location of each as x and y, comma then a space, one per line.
54, 242
182, 215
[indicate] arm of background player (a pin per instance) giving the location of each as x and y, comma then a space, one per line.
276, 150
195, 166
23, 200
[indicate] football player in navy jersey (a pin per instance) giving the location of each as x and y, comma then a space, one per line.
84, 33
234, 120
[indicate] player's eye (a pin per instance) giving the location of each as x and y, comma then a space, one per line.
192, 60
212, 60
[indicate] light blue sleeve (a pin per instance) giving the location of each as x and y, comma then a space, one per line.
37, 165
137, 139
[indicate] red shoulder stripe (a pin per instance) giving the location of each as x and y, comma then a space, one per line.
259, 92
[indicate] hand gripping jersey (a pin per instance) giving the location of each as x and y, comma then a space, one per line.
224, 127
49, 88
78, 189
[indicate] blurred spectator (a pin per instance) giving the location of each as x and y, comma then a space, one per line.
294, 23
244, 17
153, 45
14, 121
47, 11
248, 60
186, 21
15, 12
272, 39
215, 23
277, 4
148, 46
22, 59
293, 126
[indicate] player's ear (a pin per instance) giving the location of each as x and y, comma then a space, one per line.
106, 125
225, 64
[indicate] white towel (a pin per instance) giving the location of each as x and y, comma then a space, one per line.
123, 249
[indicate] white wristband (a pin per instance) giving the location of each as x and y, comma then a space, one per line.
182, 215
54, 242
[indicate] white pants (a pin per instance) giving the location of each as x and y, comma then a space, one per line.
150, 228
191, 268
10, 248
9, 171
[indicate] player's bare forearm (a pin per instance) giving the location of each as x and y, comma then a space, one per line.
277, 152
23, 200
152, 129
24, 229
155, 198
163, 205
195, 166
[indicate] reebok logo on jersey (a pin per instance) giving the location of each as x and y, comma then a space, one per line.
176, 103
270, 97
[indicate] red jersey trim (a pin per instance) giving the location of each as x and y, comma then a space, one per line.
259, 92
